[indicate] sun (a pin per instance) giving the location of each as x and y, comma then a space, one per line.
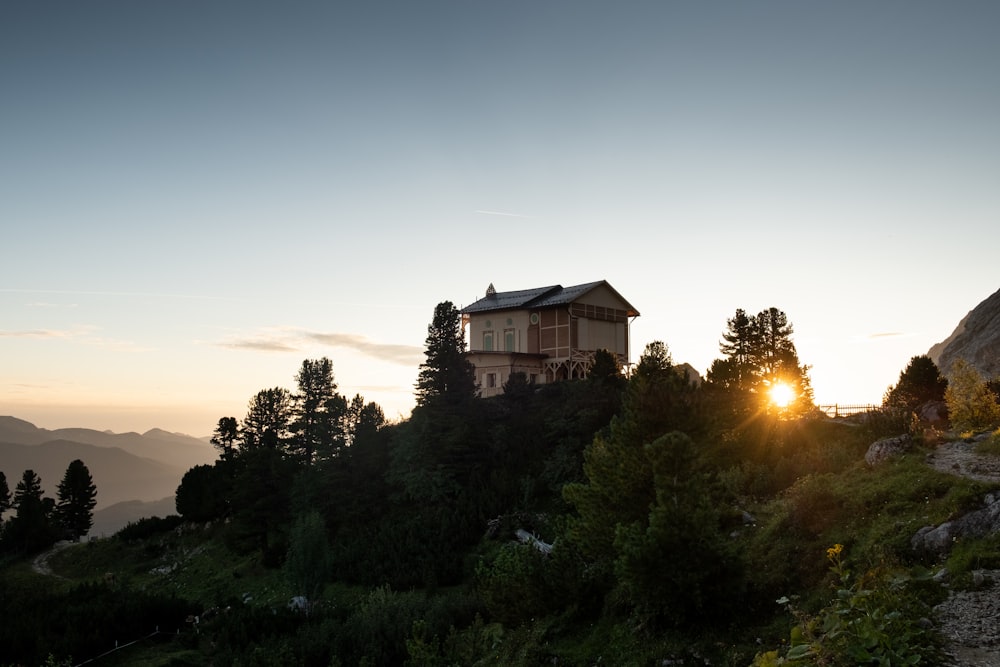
781, 394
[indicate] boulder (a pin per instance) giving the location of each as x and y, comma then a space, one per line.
886, 448
938, 539
933, 414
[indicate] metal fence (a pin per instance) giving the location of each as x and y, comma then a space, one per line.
847, 409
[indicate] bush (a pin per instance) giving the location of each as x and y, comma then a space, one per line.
872, 619
971, 404
148, 527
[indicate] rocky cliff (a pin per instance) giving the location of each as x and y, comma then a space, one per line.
976, 339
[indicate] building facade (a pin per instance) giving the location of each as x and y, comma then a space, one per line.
548, 333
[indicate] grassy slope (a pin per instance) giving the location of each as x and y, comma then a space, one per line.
872, 511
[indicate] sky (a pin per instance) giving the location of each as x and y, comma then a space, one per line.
195, 197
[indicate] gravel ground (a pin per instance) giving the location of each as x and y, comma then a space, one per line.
970, 620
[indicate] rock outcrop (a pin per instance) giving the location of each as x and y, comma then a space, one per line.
976, 339
881, 450
938, 539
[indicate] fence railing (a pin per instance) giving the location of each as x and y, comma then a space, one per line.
847, 409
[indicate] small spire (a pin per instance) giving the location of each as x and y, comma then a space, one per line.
491, 291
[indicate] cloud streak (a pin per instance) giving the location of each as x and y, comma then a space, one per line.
145, 295
501, 213
296, 340
83, 334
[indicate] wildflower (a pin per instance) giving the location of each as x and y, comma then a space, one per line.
834, 551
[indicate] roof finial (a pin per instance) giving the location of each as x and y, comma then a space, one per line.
491, 291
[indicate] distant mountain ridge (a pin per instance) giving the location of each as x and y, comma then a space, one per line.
976, 339
130, 470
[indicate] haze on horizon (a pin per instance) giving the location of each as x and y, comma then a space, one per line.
195, 197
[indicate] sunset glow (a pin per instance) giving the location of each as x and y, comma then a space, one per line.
184, 226
781, 394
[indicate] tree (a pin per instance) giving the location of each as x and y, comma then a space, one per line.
4, 494
30, 529
446, 376
266, 423
759, 354
620, 488
77, 496
224, 438
738, 343
971, 404
202, 493
921, 381
318, 411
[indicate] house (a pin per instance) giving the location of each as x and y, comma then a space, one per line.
547, 333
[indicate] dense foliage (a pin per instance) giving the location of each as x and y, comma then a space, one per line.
620, 519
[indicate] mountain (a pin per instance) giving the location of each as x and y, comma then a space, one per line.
174, 449
110, 520
118, 475
136, 474
976, 339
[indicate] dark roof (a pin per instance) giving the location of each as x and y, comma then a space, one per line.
539, 297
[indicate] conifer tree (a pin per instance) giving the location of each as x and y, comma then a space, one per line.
267, 420
446, 376
919, 382
77, 496
4, 494
319, 412
224, 438
30, 529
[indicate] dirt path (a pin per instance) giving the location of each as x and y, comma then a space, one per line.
969, 619
959, 458
41, 562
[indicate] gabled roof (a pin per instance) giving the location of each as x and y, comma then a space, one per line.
539, 297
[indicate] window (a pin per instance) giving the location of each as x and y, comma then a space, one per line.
488, 341
491, 380
508, 340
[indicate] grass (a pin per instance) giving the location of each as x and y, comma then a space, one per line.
193, 564
990, 446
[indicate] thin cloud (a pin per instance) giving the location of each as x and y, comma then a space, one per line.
262, 344
46, 304
887, 334
503, 213
44, 333
406, 355
146, 295
296, 340
83, 334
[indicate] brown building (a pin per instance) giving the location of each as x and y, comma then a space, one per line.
547, 333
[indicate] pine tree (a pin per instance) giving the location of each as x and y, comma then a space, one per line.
919, 382
446, 376
224, 438
30, 529
319, 412
77, 496
759, 355
4, 494
266, 423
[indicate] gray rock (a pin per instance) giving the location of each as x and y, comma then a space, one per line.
938, 539
886, 448
976, 339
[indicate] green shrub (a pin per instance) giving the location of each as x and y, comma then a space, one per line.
971, 404
148, 527
872, 619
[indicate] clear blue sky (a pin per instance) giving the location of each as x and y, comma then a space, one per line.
196, 196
